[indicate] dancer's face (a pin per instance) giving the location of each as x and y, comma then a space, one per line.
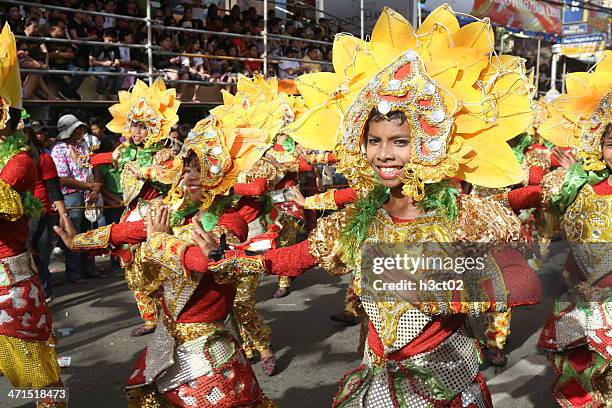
138, 132
388, 149
607, 147
191, 178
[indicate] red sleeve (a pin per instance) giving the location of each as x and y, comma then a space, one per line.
289, 261
249, 208
194, 260
523, 285
128, 233
99, 159
47, 167
536, 174
20, 173
255, 188
304, 166
233, 221
345, 196
331, 158
525, 197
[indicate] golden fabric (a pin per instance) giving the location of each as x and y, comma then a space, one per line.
28, 364
479, 220
262, 169
322, 201
147, 307
254, 331
166, 250
547, 223
498, 328
98, 238
11, 206
230, 270
183, 332
589, 218
323, 241
538, 157
146, 397
551, 185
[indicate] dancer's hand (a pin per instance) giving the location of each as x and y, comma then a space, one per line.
566, 159
66, 231
158, 222
297, 196
203, 239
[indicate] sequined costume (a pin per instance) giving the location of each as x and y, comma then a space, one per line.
145, 171
193, 360
430, 76
579, 327
27, 351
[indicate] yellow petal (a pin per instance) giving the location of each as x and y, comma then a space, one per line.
491, 170
394, 30
316, 88
477, 35
344, 50
442, 16
317, 129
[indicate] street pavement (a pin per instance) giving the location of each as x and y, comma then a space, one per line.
313, 351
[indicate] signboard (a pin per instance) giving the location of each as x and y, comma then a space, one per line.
577, 39
573, 13
573, 29
527, 15
576, 45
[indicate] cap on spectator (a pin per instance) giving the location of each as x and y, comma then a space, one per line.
37, 126
66, 125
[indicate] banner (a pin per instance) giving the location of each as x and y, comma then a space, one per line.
527, 15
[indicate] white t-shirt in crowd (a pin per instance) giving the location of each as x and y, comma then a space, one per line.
285, 65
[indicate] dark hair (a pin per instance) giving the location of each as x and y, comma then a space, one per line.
96, 121
36, 146
31, 20
398, 117
109, 32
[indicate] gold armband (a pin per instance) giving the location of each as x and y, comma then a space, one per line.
229, 270
11, 206
323, 201
166, 250
98, 238
551, 185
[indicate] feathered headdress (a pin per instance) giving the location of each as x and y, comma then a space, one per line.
10, 81
579, 117
462, 102
153, 105
235, 136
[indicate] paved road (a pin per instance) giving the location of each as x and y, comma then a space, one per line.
313, 351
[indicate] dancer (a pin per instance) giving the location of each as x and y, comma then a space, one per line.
578, 329
27, 352
144, 116
408, 118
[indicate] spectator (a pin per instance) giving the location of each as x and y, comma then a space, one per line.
187, 21
314, 54
62, 56
71, 159
253, 67
97, 30
80, 30
47, 190
33, 55
107, 142
14, 19
109, 7
170, 66
130, 58
290, 69
106, 59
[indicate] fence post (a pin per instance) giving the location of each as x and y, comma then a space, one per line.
149, 43
265, 39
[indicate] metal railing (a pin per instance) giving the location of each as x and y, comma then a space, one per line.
152, 49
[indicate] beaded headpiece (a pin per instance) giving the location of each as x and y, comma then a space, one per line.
154, 105
579, 117
10, 81
235, 136
462, 102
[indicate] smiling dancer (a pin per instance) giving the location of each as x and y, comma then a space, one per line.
410, 111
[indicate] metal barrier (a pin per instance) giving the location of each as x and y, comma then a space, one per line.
153, 49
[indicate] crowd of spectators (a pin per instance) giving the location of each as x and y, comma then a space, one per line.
111, 57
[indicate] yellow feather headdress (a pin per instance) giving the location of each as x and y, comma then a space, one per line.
10, 81
153, 105
579, 117
462, 102
235, 135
